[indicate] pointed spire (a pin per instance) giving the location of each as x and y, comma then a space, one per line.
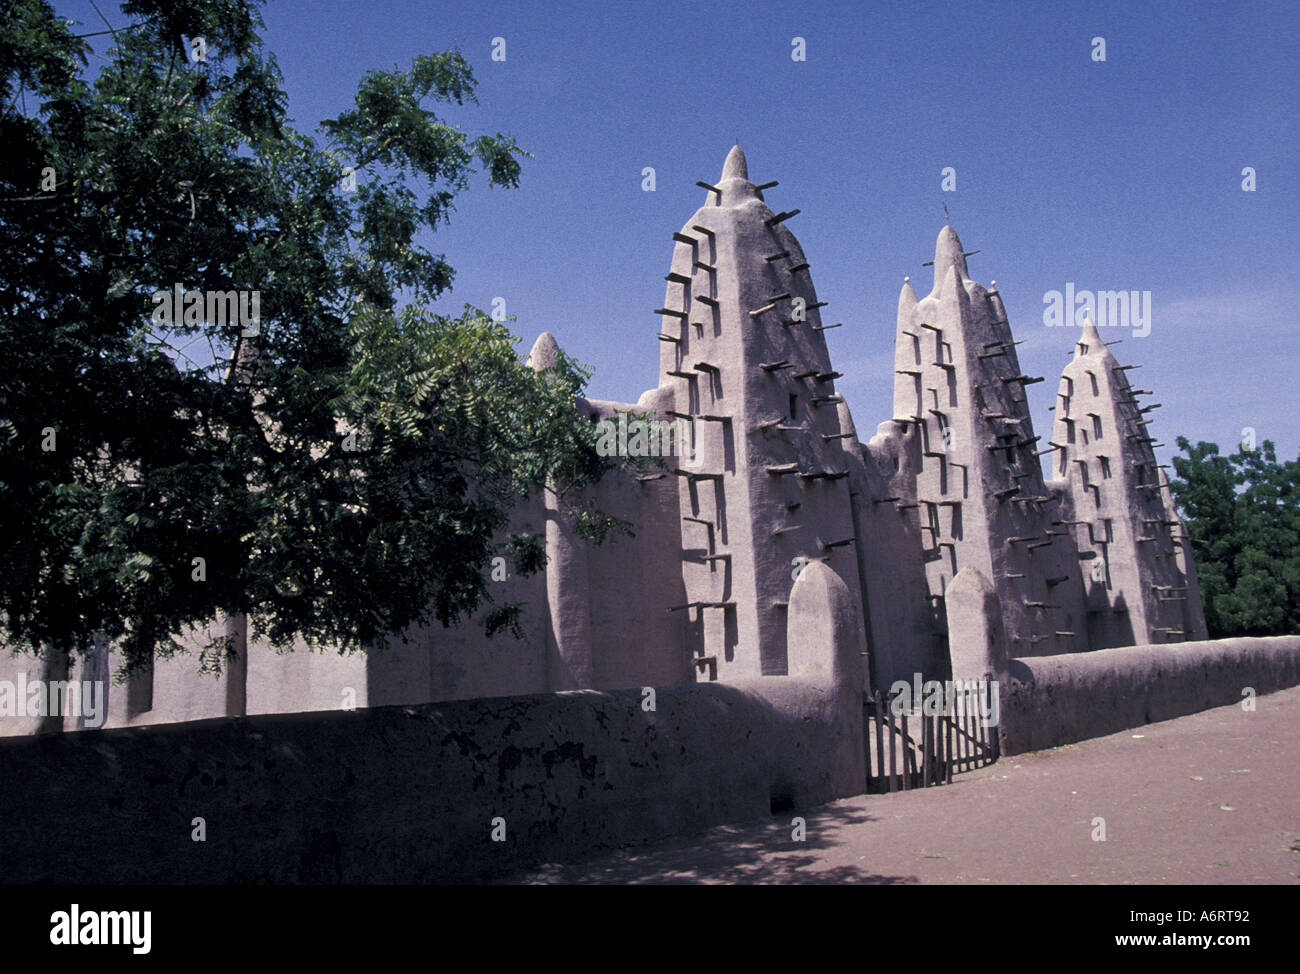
952, 289
948, 253
735, 167
545, 353
906, 302
1090, 342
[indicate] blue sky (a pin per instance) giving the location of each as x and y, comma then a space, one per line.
1122, 174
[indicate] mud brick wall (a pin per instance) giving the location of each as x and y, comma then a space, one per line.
1048, 701
409, 794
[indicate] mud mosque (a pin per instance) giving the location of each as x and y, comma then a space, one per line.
778, 477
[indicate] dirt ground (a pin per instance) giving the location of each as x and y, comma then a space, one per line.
1206, 799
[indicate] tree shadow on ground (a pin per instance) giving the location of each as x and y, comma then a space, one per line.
762, 852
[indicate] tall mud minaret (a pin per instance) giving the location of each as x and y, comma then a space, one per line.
980, 496
1140, 583
743, 351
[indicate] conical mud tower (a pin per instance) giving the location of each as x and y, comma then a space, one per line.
980, 490
743, 351
1137, 574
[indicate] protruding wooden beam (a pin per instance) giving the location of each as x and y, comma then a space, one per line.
762, 186
827, 327
683, 238
772, 221
709, 186
775, 366
677, 278
671, 313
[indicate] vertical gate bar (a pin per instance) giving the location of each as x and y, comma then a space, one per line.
893, 779
996, 749
880, 742
961, 736
926, 741
967, 735
907, 756
940, 751
949, 731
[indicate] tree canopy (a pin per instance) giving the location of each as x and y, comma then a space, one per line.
1243, 514
339, 468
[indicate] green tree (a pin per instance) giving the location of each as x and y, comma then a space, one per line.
1243, 514
341, 468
